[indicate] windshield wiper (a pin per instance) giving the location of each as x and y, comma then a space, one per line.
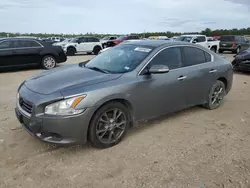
98, 69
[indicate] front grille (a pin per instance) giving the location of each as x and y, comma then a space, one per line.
25, 105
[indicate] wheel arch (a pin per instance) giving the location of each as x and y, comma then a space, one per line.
121, 100
224, 80
96, 46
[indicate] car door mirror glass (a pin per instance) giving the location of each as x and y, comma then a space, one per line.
158, 69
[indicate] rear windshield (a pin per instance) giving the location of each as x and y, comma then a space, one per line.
227, 38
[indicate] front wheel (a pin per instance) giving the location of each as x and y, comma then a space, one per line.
213, 49
109, 125
48, 62
221, 51
216, 95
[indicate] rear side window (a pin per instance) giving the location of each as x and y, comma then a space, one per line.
227, 38
201, 39
194, 56
170, 57
26, 44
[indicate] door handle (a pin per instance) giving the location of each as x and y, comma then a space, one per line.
212, 71
182, 78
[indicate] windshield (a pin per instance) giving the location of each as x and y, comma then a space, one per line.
121, 37
184, 38
120, 59
105, 38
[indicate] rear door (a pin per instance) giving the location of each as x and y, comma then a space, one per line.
27, 52
199, 75
6, 53
93, 42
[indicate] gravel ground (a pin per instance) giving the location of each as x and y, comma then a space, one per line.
192, 148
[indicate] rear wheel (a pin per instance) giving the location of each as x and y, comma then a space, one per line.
71, 51
96, 50
48, 62
237, 50
109, 125
216, 95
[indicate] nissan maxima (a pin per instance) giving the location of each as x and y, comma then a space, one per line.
99, 100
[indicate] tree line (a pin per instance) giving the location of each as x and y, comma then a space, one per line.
207, 31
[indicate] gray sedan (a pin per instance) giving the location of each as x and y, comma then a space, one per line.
101, 99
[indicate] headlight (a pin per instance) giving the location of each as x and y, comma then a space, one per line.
65, 107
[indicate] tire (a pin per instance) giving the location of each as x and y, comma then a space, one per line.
213, 49
48, 62
221, 51
96, 50
71, 51
100, 123
236, 51
213, 103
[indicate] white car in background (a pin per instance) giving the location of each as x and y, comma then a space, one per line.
62, 43
201, 40
86, 44
104, 40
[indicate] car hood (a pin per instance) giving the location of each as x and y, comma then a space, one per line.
244, 55
66, 78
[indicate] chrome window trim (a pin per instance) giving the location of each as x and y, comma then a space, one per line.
146, 64
40, 45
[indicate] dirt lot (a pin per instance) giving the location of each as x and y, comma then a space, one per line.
193, 148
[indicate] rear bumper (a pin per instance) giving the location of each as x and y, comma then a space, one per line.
61, 57
228, 48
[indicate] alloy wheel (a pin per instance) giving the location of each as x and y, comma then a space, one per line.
49, 62
217, 95
111, 126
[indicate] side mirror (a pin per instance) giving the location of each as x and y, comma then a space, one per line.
158, 69
194, 41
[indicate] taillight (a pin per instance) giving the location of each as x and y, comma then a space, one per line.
234, 43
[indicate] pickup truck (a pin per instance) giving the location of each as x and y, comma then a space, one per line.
202, 40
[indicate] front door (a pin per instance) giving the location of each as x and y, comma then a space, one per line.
158, 94
83, 45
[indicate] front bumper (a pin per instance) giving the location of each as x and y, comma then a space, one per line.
53, 129
228, 48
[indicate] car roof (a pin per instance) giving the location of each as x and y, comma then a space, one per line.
156, 43
193, 35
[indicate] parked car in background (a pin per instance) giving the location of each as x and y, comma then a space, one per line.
201, 40
48, 41
242, 61
16, 52
122, 38
104, 40
62, 43
101, 99
86, 44
233, 43
163, 38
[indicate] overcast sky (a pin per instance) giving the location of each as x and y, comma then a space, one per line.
121, 16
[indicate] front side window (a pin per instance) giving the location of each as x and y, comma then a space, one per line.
194, 56
120, 59
5, 45
184, 38
81, 40
201, 39
170, 57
